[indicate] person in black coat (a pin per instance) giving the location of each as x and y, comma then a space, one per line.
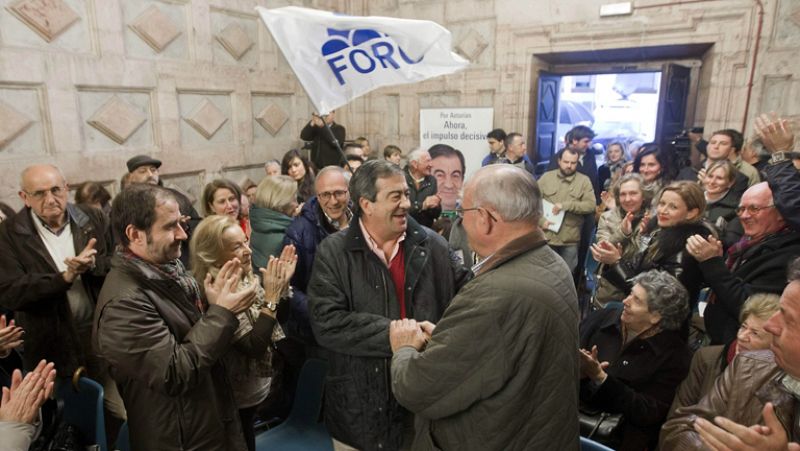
633, 359
770, 217
679, 216
325, 144
722, 201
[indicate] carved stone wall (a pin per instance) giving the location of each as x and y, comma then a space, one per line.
199, 84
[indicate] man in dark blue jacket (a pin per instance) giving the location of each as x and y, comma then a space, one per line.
326, 213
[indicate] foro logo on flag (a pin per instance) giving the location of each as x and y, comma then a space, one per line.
338, 58
342, 52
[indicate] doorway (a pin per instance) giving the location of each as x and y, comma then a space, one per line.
632, 96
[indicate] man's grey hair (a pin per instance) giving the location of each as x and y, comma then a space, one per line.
364, 183
329, 170
416, 154
509, 190
666, 296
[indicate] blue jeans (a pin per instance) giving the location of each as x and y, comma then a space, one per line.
569, 253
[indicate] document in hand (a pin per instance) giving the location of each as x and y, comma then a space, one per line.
554, 220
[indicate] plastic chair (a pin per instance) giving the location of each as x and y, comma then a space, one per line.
83, 408
591, 445
123, 438
302, 431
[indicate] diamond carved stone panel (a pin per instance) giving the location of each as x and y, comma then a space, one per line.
206, 119
472, 45
117, 119
12, 124
48, 18
272, 118
155, 28
235, 40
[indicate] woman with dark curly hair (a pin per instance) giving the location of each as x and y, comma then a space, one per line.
299, 168
634, 358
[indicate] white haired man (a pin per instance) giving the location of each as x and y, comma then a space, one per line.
426, 205
499, 370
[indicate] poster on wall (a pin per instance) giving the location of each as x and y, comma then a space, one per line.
464, 129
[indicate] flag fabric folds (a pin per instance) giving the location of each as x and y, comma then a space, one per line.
338, 58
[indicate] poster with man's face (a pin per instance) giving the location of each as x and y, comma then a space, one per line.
449, 179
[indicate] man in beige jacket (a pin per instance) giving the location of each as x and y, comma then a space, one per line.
569, 191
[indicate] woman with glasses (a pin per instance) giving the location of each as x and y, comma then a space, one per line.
710, 361
679, 212
270, 216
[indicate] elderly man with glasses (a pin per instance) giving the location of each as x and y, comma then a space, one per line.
54, 256
770, 216
326, 213
498, 372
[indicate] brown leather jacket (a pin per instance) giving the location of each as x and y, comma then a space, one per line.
739, 394
166, 360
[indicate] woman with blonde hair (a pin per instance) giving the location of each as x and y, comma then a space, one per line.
216, 240
679, 210
270, 215
709, 362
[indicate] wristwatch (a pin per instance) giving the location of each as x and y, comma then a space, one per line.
778, 157
272, 306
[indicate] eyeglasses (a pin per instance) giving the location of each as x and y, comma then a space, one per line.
38, 195
752, 209
461, 212
325, 196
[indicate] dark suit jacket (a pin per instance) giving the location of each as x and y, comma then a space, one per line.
32, 286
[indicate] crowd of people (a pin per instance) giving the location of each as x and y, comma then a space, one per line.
637, 303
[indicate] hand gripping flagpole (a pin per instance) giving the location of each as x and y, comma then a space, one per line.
335, 141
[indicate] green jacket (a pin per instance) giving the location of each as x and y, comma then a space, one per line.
576, 195
268, 229
501, 369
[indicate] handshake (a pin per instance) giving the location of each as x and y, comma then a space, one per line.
408, 332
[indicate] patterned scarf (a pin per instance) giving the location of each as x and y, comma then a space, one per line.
738, 249
173, 270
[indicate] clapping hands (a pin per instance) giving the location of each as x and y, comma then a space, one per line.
10, 336
278, 273
21, 402
224, 289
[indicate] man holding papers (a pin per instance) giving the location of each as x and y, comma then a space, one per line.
567, 197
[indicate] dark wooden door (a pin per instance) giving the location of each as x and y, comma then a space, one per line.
546, 117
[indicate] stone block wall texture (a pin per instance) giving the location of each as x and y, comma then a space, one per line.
199, 84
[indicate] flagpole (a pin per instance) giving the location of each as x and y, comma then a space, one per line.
327, 126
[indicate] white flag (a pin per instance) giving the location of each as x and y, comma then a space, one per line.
338, 58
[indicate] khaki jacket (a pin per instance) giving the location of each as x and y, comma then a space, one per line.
576, 196
747, 170
500, 371
739, 394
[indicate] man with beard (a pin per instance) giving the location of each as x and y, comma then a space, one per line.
385, 266
571, 192
162, 341
145, 169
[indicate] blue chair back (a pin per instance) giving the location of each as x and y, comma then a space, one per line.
591, 445
302, 431
83, 408
123, 438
